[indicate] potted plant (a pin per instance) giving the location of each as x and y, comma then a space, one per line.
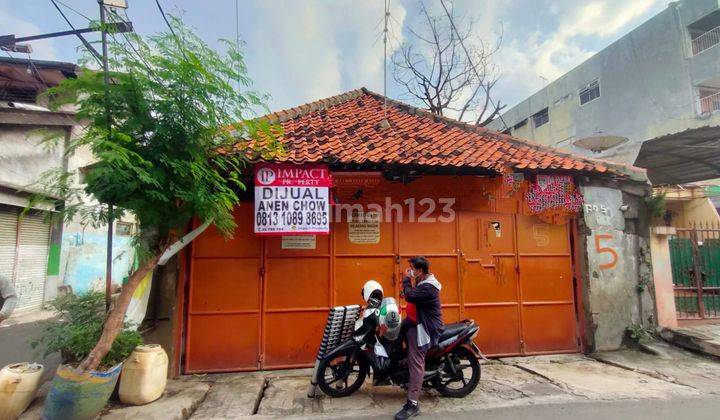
77, 394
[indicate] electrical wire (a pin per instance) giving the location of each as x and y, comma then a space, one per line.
167, 22
462, 44
149, 68
73, 10
129, 42
84, 41
36, 72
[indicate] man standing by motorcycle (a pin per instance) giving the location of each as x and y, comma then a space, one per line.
424, 326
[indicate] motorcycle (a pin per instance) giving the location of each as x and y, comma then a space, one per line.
452, 367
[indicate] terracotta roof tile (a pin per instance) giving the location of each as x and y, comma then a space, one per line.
346, 129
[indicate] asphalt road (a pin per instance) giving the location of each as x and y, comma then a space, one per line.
676, 408
15, 346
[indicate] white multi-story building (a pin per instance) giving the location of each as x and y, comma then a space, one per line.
650, 99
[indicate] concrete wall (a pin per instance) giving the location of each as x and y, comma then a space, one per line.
84, 247
662, 276
24, 159
162, 307
648, 82
696, 210
616, 262
77, 249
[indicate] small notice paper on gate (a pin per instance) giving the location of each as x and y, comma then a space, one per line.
299, 242
292, 199
364, 228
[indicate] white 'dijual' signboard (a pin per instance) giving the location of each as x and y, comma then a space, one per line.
292, 199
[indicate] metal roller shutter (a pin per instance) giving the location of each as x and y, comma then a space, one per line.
8, 237
31, 271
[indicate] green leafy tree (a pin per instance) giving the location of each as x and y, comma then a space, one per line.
167, 152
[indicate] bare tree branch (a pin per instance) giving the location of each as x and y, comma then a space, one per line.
435, 71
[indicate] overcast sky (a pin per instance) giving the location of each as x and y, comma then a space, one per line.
302, 50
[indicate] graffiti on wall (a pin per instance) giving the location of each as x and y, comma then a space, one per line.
84, 259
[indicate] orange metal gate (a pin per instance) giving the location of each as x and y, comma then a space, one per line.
518, 283
254, 305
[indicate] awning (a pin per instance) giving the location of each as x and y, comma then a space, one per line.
689, 156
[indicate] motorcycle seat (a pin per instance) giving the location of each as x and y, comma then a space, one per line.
452, 329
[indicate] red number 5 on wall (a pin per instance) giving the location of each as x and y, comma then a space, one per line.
602, 250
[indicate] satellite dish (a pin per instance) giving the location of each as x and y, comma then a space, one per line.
600, 142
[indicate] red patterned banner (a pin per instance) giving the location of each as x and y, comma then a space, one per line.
554, 198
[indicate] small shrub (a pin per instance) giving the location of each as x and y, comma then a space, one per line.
639, 334
80, 324
656, 204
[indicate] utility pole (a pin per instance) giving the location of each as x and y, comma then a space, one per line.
106, 77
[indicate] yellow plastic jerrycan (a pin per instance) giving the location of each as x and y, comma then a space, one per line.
18, 384
144, 375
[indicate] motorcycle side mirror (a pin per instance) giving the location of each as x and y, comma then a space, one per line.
374, 303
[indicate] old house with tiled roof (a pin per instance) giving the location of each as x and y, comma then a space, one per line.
544, 249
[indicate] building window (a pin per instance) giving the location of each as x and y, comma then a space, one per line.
591, 92
17, 94
541, 118
123, 228
520, 124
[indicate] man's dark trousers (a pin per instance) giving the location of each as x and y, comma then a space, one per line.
415, 363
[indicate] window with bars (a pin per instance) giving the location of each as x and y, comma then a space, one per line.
590, 92
541, 118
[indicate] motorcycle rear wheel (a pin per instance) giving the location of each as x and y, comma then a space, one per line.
466, 376
342, 375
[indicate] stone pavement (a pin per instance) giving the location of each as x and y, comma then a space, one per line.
509, 383
700, 337
670, 364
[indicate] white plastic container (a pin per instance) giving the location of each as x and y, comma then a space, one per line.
18, 384
144, 375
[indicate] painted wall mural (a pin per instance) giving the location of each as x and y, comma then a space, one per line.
83, 262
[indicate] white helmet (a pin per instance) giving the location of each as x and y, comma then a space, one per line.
389, 319
372, 289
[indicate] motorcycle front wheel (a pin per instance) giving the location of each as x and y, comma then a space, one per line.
342, 374
459, 375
